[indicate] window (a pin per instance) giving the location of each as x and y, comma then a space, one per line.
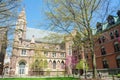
99, 27
79, 56
54, 55
103, 52
46, 53
116, 33
62, 54
54, 64
105, 64
23, 52
22, 68
70, 50
99, 40
62, 65
111, 35
110, 20
103, 39
116, 47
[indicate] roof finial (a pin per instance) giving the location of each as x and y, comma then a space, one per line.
32, 40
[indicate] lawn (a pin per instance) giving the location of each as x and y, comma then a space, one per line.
58, 78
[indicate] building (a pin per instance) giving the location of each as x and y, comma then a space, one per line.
31, 51
107, 45
3, 46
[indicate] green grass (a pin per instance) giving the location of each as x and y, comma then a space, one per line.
57, 78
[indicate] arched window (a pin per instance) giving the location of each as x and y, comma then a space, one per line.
22, 68
54, 64
116, 47
111, 35
116, 33
62, 65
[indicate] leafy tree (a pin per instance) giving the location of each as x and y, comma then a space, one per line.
39, 59
82, 65
65, 15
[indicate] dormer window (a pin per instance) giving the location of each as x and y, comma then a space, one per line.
110, 20
116, 33
111, 35
99, 27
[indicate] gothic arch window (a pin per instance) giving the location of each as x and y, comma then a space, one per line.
22, 66
54, 64
111, 35
116, 33
118, 61
116, 47
62, 64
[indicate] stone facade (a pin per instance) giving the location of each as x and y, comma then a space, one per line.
27, 51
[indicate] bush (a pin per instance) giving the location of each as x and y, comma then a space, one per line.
118, 75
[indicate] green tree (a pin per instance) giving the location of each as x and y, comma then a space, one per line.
82, 65
39, 59
65, 15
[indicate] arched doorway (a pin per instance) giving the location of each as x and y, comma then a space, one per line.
22, 66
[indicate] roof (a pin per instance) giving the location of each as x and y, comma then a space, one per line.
106, 26
41, 35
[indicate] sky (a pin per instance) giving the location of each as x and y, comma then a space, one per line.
35, 13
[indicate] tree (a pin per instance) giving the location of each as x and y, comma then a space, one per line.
8, 16
82, 65
39, 60
65, 15
8, 12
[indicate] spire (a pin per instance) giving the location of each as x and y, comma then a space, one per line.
22, 14
33, 40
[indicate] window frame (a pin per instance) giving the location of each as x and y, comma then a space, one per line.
24, 52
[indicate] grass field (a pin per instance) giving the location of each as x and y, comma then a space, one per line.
58, 78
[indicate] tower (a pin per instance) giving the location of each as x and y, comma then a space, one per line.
20, 31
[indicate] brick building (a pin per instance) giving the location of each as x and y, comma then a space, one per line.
3, 46
107, 46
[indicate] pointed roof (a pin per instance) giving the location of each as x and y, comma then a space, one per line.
22, 13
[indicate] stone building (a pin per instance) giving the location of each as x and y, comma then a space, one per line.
3, 46
30, 48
